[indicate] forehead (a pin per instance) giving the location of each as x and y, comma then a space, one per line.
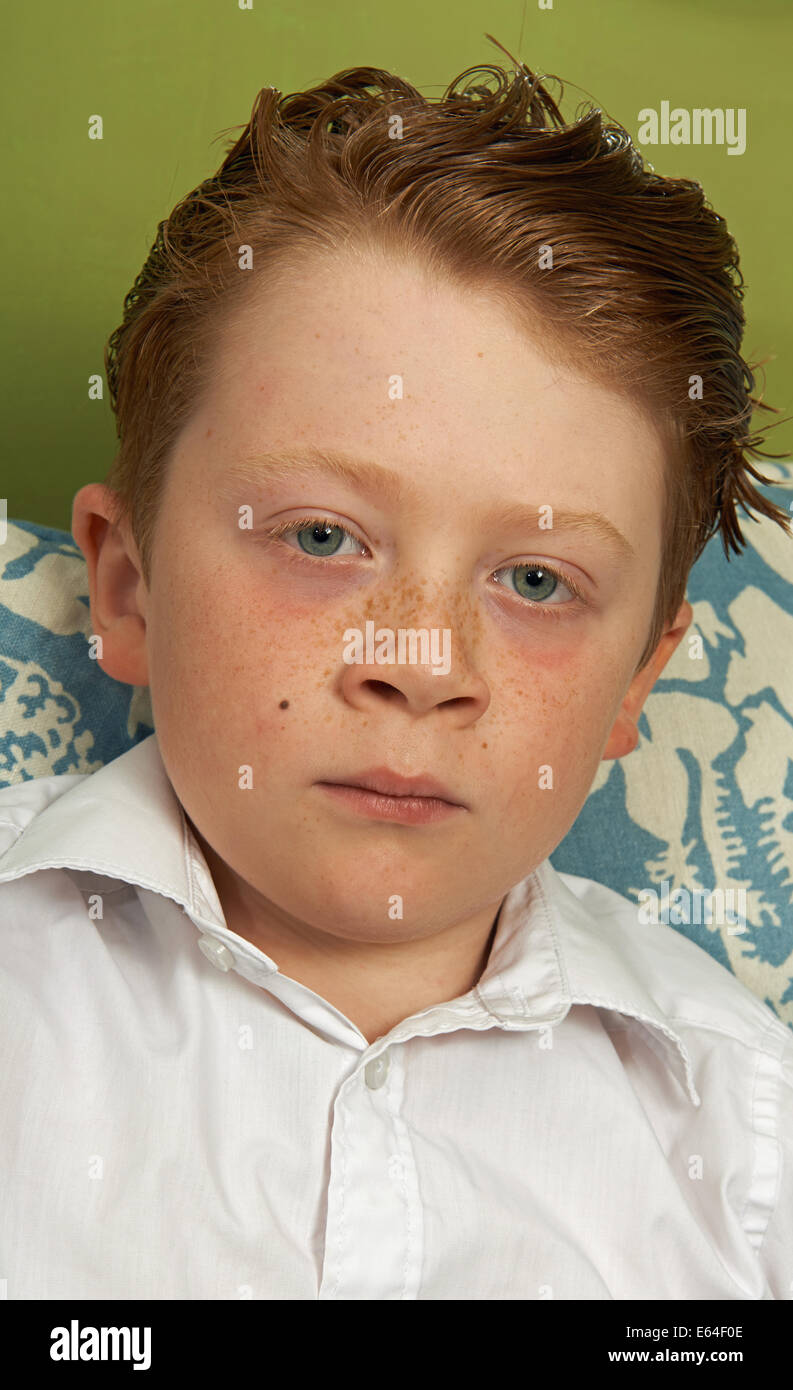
384, 358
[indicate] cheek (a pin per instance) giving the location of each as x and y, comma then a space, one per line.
235, 655
543, 686
554, 709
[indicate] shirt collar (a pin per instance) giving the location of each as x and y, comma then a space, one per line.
125, 821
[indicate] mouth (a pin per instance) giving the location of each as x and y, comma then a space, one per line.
386, 795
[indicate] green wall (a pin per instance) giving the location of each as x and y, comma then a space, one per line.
167, 78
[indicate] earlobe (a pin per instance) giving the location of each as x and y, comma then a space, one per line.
624, 736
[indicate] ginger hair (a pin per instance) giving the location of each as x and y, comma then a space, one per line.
644, 293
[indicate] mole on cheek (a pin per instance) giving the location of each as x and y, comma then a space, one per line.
284, 704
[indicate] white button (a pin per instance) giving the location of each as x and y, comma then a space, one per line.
376, 1071
215, 951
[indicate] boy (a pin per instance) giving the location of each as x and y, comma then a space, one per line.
295, 1004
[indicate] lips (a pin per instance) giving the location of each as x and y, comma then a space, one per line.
388, 783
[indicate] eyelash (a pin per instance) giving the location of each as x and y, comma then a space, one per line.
288, 528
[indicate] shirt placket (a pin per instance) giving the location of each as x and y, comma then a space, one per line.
374, 1227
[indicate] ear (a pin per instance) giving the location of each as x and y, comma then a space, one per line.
624, 735
116, 586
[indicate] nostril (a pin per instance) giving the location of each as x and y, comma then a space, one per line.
383, 688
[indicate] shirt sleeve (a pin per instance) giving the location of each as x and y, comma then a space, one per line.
773, 1128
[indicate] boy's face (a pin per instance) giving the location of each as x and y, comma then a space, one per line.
537, 691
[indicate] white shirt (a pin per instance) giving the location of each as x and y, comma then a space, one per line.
608, 1114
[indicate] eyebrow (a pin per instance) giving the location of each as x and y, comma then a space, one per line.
384, 486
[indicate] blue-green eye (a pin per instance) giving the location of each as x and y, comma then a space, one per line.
540, 584
318, 537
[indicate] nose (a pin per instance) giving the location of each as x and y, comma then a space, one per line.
416, 669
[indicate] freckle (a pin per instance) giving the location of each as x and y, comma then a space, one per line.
484, 745
284, 704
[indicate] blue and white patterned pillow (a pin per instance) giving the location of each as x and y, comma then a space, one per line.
59, 712
705, 802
